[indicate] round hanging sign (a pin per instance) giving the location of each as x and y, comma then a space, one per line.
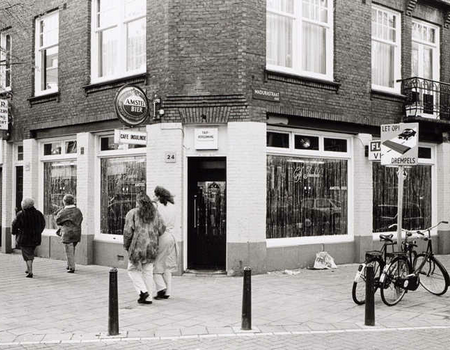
131, 105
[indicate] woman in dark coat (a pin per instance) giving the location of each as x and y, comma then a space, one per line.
27, 227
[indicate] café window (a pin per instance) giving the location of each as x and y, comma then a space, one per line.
122, 179
60, 176
307, 188
417, 194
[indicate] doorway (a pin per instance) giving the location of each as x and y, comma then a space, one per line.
206, 213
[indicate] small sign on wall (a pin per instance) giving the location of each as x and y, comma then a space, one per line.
206, 138
130, 137
3, 114
170, 157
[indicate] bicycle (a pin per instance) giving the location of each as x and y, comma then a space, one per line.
377, 259
408, 270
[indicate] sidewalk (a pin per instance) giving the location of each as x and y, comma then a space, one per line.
58, 307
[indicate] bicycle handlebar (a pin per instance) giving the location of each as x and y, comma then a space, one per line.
421, 232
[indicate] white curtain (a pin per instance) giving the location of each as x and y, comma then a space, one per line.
136, 45
314, 48
382, 64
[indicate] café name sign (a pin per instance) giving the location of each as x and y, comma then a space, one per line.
130, 137
3, 114
131, 105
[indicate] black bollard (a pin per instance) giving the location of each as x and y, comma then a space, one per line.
370, 297
247, 300
113, 315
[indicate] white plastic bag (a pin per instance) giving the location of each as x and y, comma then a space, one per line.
324, 261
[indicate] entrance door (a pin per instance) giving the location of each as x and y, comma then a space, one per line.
207, 213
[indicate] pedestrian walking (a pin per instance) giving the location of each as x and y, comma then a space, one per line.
166, 260
27, 227
143, 226
69, 219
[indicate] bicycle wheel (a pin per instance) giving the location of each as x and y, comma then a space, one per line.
359, 283
391, 290
433, 275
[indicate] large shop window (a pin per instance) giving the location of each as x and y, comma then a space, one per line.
60, 177
299, 37
122, 178
118, 39
416, 197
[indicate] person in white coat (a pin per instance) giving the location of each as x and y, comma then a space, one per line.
166, 260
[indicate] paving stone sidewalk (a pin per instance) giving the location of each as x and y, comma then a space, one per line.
55, 306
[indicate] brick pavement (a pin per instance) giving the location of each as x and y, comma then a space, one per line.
60, 308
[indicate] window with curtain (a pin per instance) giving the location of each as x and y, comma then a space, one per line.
416, 197
60, 177
122, 178
46, 54
118, 38
5, 61
306, 196
425, 54
299, 37
385, 49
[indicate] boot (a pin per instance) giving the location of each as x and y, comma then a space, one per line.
143, 298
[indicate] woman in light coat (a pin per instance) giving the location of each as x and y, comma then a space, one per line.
166, 261
143, 226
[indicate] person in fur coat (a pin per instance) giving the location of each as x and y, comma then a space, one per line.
69, 219
143, 226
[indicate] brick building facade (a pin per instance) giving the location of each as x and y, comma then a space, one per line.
284, 90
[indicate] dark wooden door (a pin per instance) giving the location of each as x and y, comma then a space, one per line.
207, 214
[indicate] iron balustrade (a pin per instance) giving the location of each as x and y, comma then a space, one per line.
426, 98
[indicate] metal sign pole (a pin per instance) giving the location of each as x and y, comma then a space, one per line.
400, 207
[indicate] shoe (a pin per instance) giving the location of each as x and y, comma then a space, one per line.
70, 271
143, 298
67, 268
161, 295
29, 275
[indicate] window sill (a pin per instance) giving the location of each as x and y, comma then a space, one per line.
301, 80
43, 99
115, 83
390, 96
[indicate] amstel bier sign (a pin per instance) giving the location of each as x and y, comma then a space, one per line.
131, 105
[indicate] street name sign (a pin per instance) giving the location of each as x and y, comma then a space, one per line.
399, 144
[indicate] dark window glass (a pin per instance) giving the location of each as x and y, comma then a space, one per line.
19, 152
107, 143
275, 139
416, 197
335, 145
425, 152
71, 147
51, 149
306, 142
306, 197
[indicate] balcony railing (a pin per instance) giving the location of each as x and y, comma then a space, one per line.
426, 98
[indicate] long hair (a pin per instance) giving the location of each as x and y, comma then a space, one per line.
146, 210
163, 195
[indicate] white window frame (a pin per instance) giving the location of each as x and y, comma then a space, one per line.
121, 25
434, 46
70, 157
3, 56
423, 161
297, 38
124, 152
38, 56
291, 151
397, 51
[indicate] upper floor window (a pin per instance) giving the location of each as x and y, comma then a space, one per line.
300, 37
46, 54
118, 38
5, 61
425, 53
385, 49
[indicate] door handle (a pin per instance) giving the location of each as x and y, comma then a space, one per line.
195, 211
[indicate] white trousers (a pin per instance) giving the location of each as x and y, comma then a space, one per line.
142, 277
163, 281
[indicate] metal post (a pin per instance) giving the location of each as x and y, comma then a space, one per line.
247, 300
370, 297
400, 207
113, 315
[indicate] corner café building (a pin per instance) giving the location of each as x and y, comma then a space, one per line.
266, 195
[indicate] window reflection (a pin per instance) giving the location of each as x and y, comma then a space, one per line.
121, 180
59, 178
306, 197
